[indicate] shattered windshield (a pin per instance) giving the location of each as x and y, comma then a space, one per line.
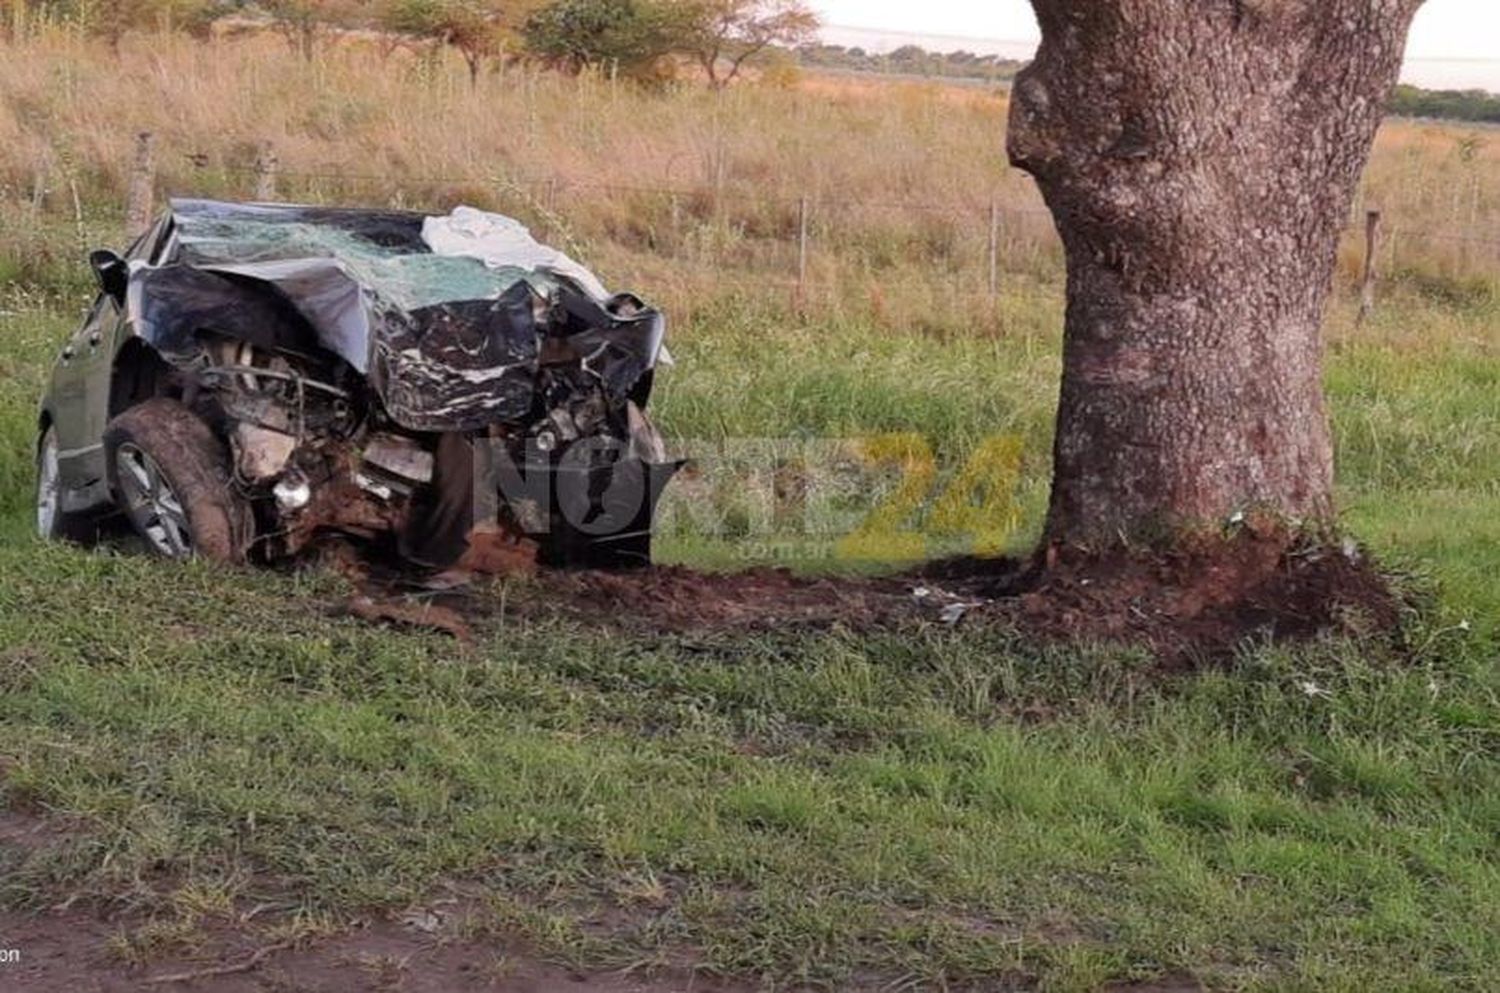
384, 253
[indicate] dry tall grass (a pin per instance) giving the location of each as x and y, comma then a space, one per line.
900, 177
69, 105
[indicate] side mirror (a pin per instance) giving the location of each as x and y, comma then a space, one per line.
111, 272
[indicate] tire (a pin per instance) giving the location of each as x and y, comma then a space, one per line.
170, 475
52, 522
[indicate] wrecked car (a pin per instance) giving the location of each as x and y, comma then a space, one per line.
253, 378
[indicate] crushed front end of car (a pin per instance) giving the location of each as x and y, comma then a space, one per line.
444, 384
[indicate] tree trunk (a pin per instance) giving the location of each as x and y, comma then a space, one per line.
1199, 158
710, 62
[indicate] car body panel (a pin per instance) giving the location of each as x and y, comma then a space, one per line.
77, 401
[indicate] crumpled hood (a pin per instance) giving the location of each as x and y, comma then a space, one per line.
444, 315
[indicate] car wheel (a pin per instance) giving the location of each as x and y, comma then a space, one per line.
171, 477
51, 523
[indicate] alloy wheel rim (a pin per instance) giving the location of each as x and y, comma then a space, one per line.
152, 503
47, 495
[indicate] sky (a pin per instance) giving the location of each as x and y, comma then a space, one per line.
1446, 32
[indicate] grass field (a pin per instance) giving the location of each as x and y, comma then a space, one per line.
841, 808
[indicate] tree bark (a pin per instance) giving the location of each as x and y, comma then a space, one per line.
1199, 158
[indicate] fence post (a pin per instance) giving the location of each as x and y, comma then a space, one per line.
142, 187
802, 244
38, 189
266, 164
78, 229
994, 256
549, 208
1372, 245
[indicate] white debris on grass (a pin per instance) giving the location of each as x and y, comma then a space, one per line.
955, 612
953, 607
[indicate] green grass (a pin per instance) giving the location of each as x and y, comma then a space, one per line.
927, 805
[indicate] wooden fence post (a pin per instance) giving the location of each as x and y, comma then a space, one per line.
802, 219
39, 188
994, 256
549, 208
1372, 246
142, 187
266, 165
78, 228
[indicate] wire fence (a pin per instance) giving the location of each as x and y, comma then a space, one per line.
749, 240
972, 249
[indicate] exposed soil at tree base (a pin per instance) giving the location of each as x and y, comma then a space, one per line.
1191, 605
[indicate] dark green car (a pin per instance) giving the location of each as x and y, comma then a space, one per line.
255, 378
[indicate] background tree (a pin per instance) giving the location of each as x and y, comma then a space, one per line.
1199, 158
110, 20
471, 28
633, 35
304, 22
911, 59
1456, 105
729, 33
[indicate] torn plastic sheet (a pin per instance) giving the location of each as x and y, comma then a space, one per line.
445, 316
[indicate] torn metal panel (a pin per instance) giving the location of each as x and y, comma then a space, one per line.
401, 457
261, 454
462, 365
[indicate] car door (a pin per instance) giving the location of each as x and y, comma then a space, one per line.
78, 410
82, 387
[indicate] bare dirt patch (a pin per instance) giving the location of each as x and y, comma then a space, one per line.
76, 952
23, 832
1167, 984
680, 600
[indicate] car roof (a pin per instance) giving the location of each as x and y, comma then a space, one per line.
247, 210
